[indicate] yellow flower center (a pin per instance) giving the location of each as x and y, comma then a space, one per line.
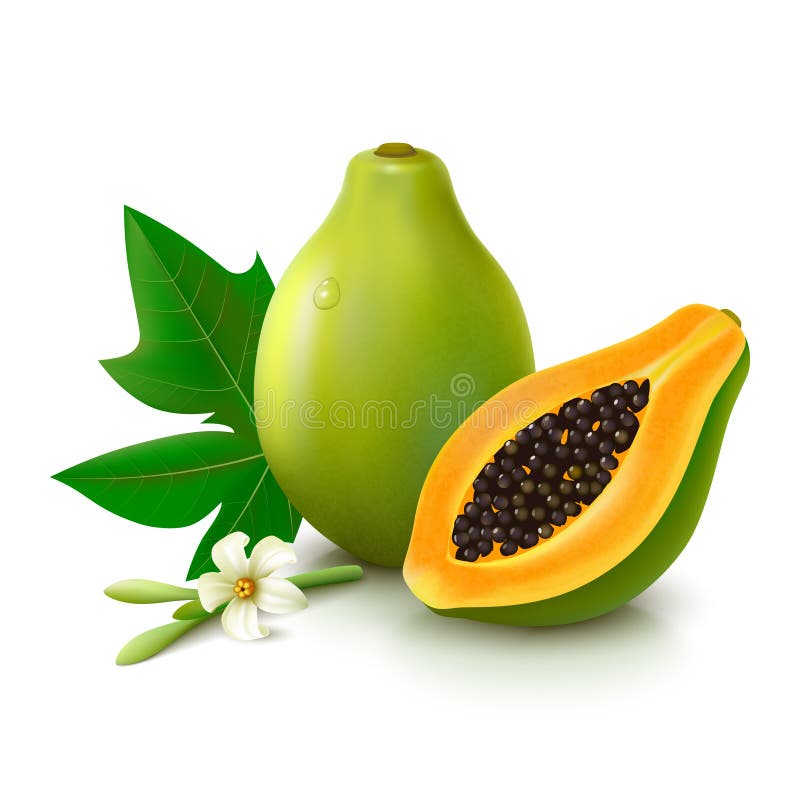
244, 587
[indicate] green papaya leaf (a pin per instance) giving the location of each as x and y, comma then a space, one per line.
147, 644
259, 509
168, 482
198, 325
143, 591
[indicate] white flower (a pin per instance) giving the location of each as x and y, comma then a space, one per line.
248, 584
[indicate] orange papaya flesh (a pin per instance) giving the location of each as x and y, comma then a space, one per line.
695, 360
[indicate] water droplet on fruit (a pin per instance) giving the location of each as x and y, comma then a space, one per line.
327, 294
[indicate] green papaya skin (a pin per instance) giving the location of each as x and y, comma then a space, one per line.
661, 547
389, 327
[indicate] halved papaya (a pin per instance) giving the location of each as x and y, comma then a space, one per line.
569, 492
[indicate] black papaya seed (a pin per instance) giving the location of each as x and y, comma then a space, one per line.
571, 508
549, 421
603, 477
581, 453
499, 534
553, 501
480, 485
627, 419
508, 548
535, 463
529, 540
609, 462
585, 408
523, 437
574, 437
516, 533
462, 523
606, 447
504, 480
518, 474
470, 553
460, 538
570, 411
500, 502
607, 411
630, 388
614, 390
592, 438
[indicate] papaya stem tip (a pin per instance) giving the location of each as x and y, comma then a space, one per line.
732, 315
395, 150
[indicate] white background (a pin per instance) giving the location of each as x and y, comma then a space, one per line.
620, 160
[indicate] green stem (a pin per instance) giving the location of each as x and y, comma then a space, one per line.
191, 614
307, 580
325, 577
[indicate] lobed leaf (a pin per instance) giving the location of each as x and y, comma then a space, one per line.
169, 482
198, 325
260, 509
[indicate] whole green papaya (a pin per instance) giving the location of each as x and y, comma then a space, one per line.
391, 325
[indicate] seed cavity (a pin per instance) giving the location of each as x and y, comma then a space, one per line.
549, 472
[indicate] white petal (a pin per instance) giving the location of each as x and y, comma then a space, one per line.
268, 555
214, 590
240, 620
228, 555
278, 596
